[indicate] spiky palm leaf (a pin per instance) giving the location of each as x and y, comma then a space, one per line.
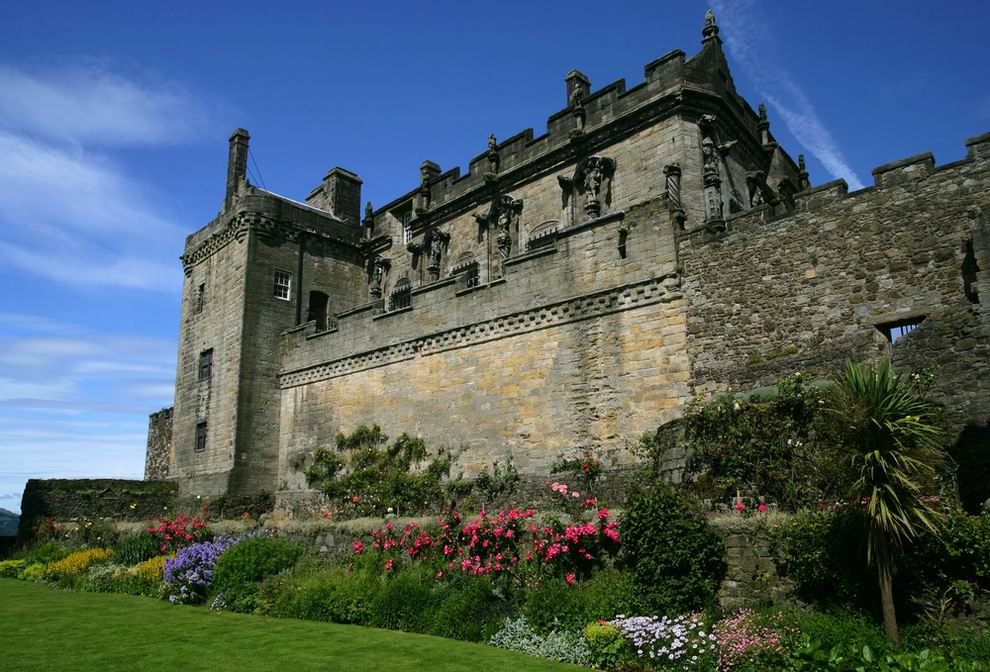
893, 441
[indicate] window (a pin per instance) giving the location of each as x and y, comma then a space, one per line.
200, 298
406, 219
201, 436
283, 285
401, 296
206, 364
473, 275
895, 331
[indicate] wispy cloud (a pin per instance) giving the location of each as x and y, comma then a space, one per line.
64, 197
90, 104
752, 47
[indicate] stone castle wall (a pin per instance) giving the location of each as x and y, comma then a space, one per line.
808, 290
159, 453
596, 358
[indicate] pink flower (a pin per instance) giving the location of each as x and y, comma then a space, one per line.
358, 547
761, 507
739, 507
569, 578
388, 564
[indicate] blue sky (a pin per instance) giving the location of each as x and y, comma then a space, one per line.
114, 120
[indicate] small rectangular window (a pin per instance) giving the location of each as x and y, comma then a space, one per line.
283, 285
206, 364
895, 331
200, 436
473, 275
406, 228
200, 298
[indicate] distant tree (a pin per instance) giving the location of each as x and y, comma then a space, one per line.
892, 438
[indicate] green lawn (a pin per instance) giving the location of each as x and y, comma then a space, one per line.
43, 628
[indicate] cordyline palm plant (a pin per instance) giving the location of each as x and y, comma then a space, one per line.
893, 442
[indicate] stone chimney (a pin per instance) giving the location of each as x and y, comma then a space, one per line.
573, 79
343, 193
237, 160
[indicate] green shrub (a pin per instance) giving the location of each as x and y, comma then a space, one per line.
607, 645
136, 548
44, 553
818, 552
335, 595
9, 569
377, 475
33, 572
677, 558
405, 601
556, 604
468, 608
240, 569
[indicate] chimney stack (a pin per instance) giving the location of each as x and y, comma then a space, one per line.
236, 163
342, 189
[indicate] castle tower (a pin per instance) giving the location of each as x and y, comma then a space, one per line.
265, 264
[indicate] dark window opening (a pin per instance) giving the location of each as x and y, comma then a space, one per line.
200, 436
206, 364
200, 298
401, 296
319, 303
895, 331
473, 275
969, 270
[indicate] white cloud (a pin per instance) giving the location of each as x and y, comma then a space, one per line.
751, 47
92, 105
73, 214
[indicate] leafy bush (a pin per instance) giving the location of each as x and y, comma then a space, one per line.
555, 603
404, 601
335, 595
815, 656
562, 646
241, 569
9, 569
771, 443
378, 476
678, 559
136, 548
75, 564
607, 645
468, 608
104, 578
33, 572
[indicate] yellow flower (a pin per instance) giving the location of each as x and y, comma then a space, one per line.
76, 563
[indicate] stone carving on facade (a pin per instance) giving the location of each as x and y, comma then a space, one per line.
423, 197
435, 244
672, 183
577, 106
494, 160
369, 220
803, 181
593, 179
711, 159
377, 272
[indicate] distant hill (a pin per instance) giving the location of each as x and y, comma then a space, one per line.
8, 523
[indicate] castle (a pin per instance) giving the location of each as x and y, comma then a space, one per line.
570, 290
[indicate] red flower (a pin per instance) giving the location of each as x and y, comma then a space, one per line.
569, 578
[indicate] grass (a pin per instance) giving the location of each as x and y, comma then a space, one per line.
42, 628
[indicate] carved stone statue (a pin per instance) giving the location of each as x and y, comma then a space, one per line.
593, 178
576, 101
709, 18
494, 160
709, 156
434, 244
379, 269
